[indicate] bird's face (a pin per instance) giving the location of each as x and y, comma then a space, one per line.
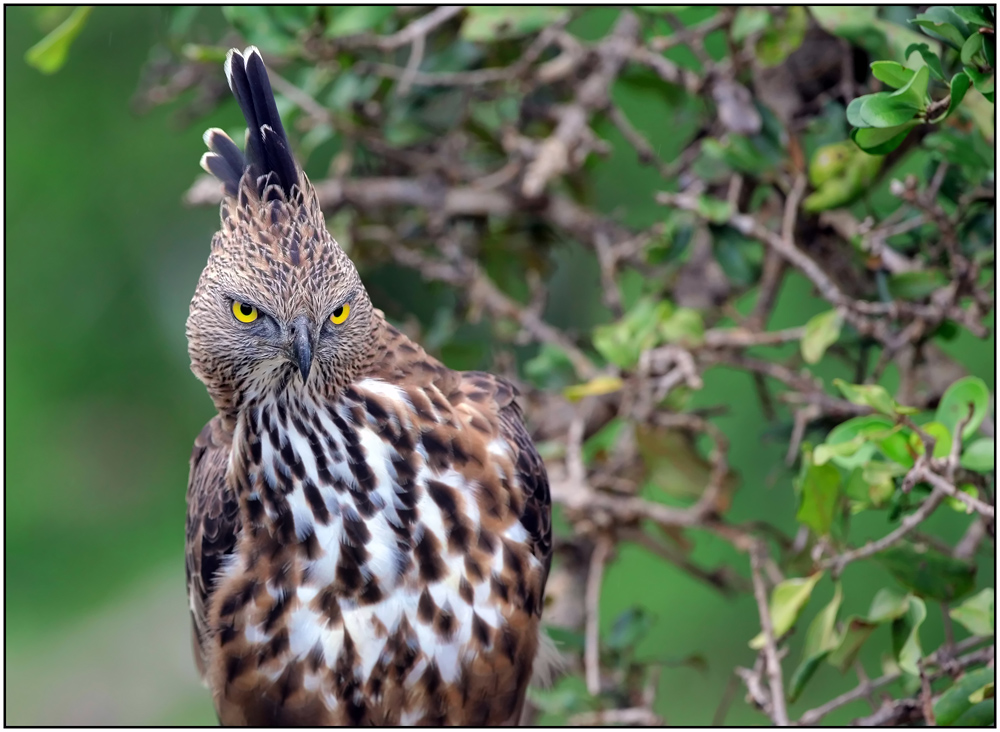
262, 321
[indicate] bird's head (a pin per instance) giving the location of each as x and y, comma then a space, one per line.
279, 305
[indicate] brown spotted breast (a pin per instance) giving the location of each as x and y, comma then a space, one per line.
393, 554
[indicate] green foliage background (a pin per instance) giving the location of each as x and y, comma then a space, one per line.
101, 410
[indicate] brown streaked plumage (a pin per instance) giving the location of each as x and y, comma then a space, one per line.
368, 531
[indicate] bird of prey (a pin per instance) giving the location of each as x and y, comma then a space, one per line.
368, 531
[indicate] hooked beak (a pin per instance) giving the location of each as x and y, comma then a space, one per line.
301, 346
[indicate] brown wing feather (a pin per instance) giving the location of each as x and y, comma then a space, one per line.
213, 522
404, 361
536, 516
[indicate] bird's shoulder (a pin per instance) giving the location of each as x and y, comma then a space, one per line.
469, 421
213, 523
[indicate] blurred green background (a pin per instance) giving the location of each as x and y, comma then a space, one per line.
101, 409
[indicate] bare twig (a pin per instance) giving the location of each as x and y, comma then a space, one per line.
908, 524
779, 712
943, 486
592, 649
631, 717
647, 155
813, 716
553, 156
418, 29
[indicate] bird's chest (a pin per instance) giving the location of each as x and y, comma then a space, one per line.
365, 564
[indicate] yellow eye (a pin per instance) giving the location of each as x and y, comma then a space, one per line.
340, 314
244, 313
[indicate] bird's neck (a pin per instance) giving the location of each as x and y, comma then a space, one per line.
284, 446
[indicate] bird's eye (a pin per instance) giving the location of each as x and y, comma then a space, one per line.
340, 314
244, 313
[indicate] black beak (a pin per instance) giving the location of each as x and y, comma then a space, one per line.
302, 346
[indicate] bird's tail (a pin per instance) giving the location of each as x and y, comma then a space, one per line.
268, 154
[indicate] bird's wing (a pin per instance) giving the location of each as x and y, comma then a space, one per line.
213, 523
536, 514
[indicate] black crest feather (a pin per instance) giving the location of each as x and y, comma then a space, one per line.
268, 153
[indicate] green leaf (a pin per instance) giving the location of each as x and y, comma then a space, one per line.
803, 673
787, 601
944, 23
983, 81
685, 326
983, 714
899, 38
783, 36
854, 177
601, 442
977, 614
829, 162
738, 152
872, 427
819, 492
845, 451
747, 21
854, 113
880, 478
881, 141
969, 151
871, 395
906, 636
916, 284
954, 405
915, 90
958, 505
49, 54
204, 54
551, 368
888, 605
855, 634
959, 86
349, 20
885, 109
822, 634
929, 573
986, 692
837, 18
595, 387
566, 696
864, 492
895, 445
716, 211
954, 702
894, 74
821, 332
821, 639
942, 439
973, 15
930, 58
628, 629
973, 45
489, 23
622, 342
980, 456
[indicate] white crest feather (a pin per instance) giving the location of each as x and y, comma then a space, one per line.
204, 161
228, 66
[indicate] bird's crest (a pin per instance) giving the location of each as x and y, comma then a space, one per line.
268, 159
